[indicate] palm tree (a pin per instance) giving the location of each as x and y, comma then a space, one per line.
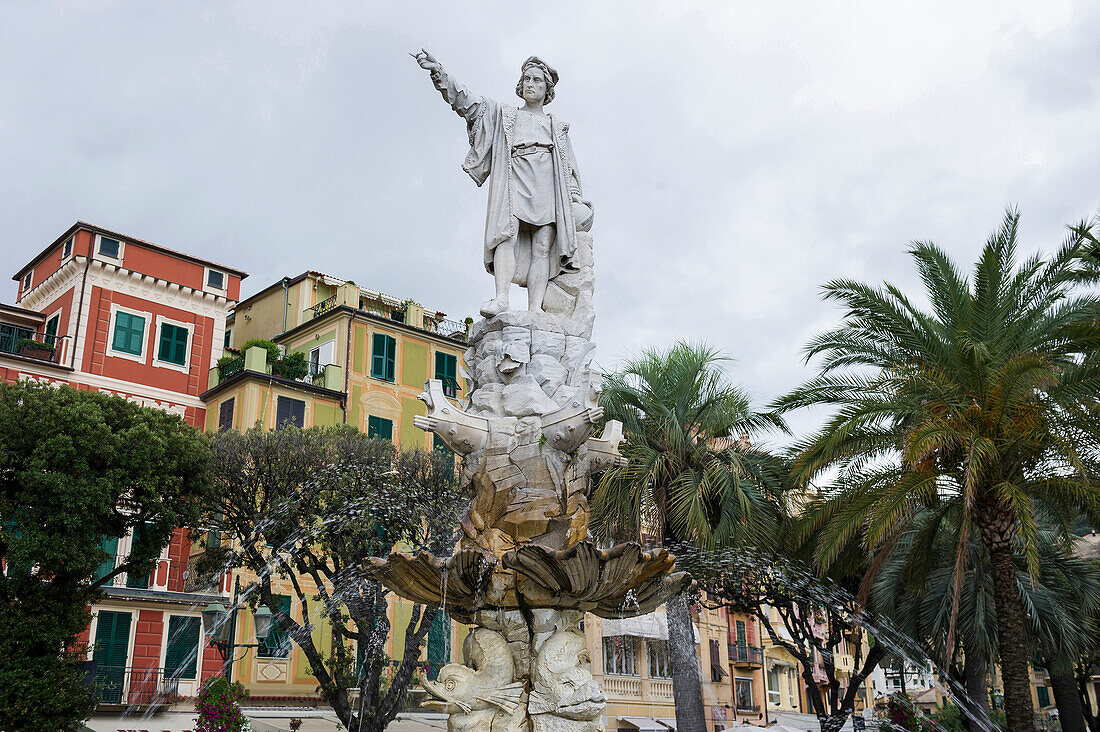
688, 478
987, 401
915, 589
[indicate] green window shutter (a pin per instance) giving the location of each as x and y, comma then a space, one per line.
173, 344
741, 641
109, 545
1044, 696
277, 643
438, 644
378, 356
391, 358
182, 650
140, 581
446, 370
112, 641
51, 327
129, 333
380, 428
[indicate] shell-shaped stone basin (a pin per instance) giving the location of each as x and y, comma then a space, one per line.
424, 578
619, 582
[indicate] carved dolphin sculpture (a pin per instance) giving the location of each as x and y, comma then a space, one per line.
570, 425
476, 694
564, 696
462, 432
603, 451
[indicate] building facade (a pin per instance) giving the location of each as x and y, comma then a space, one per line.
99, 310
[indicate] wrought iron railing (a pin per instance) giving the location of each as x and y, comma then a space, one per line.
324, 306
193, 581
37, 344
316, 375
230, 368
133, 685
449, 328
748, 655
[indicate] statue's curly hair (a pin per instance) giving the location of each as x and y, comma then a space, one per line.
546, 74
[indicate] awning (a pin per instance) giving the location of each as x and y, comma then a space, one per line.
650, 625
670, 723
644, 724
771, 663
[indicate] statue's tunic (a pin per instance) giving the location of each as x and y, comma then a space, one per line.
492, 129
532, 170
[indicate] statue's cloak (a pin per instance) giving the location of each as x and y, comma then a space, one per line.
490, 126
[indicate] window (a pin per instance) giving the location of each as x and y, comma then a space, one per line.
67, 248
27, 281
133, 578
109, 247
446, 370
440, 447
51, 329
620, 655
182, 650
225, 414
775, 695
290, 411
660, 663
1044, 696
173, 344
321, 356
742, 694
215, 279
228, 338
277, 643
383, 356
129, 334
380, 428
717, 673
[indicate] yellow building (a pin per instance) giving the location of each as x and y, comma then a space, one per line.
368, 357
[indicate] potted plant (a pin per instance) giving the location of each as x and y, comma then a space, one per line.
295, 724
35, 349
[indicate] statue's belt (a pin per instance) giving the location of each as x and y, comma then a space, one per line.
531, 148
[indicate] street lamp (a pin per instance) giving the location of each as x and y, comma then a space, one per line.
219, 624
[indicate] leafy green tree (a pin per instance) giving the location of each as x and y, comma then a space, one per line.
986, 401
77, 468
309, 506
687, 477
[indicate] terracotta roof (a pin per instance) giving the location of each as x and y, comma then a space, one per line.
125, 237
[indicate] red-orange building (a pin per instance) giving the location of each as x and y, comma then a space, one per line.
103, 311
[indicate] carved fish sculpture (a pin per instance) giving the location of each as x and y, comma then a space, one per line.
565, 697
482, 695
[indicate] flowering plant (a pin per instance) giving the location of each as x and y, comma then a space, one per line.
217, 707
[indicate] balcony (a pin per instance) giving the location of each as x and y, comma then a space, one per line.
746, 655
132, 685
35, 344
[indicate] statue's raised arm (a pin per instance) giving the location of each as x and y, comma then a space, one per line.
456, 95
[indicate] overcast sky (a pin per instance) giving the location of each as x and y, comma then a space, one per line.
738, 155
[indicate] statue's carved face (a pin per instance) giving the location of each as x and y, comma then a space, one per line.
534, 85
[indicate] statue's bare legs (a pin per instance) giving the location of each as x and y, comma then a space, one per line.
539, 273
504, 270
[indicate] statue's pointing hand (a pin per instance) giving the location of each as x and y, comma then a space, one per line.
426, 61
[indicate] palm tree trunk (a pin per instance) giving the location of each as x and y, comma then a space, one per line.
976, 682
1011, 645
687, 687
1066, 698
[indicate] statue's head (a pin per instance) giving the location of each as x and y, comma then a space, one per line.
536, 78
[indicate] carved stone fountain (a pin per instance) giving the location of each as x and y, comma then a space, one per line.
525, 572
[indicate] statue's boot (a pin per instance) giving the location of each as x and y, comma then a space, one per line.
496, 306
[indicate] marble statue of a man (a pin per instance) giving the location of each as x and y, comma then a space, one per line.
535, 202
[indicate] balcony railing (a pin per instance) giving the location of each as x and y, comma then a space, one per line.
316, 375
133, 685
750, 708
449, 328
746, 655
230, 368
323, 307
36, 344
